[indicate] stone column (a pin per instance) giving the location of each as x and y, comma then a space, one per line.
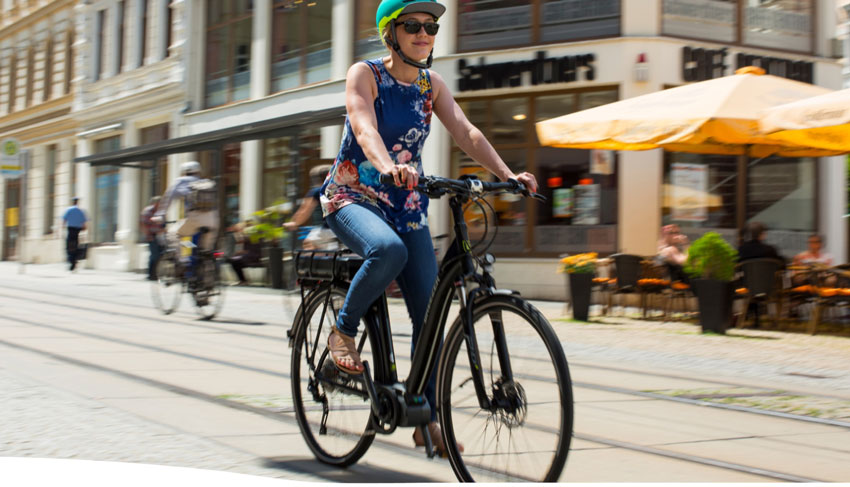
127, 234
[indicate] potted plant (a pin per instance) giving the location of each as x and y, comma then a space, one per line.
580, 269
267, 227
711, 265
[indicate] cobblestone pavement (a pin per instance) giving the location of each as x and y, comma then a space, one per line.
45, 422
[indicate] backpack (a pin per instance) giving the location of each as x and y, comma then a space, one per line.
202, 196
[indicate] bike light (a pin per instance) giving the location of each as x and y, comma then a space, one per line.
218, 255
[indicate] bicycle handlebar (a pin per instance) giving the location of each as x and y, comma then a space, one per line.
435, 186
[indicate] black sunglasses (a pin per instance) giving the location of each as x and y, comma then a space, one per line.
412, 26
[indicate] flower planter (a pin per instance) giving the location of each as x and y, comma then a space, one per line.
715, 304
581, 284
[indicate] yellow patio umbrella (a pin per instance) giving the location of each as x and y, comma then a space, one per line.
718, 116
821, 121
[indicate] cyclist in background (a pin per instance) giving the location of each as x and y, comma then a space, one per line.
310, 212
390, 101
200, 205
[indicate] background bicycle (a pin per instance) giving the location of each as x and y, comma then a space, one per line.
175, 275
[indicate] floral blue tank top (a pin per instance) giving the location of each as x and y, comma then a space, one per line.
404, 121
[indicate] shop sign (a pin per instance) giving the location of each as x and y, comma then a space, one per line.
540, 70
700, 64
10, 158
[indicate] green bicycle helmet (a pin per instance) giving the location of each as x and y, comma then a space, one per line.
389, 10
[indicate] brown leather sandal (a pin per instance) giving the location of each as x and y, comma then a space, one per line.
342, 348
436, 438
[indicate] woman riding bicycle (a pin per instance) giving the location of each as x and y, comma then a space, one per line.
389, 102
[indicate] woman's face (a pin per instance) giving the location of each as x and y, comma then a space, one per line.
415, 46
815, 245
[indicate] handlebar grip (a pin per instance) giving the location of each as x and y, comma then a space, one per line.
386, 179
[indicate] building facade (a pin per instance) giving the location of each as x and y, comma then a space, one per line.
36, 78
262, 86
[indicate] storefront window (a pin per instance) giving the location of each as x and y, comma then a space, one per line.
699, 194
367, 43
781, 194
714, 20
301, 43
231, 161
778, 24
228, 54
154, 181
580, 213
278, 183
489, 24
785, 25
563, 20
106, 193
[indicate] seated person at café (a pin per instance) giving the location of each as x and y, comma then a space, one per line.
673, 251
249, 255
754, 247
813, 257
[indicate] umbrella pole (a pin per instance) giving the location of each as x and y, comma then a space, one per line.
741, 193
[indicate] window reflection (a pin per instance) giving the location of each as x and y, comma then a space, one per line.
228, 51
367, 44
779, 24
301, 43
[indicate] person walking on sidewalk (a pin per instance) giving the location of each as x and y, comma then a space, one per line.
74, 219
151, 232
390, 101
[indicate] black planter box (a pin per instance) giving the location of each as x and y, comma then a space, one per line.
715, 304
276, 267
580, 288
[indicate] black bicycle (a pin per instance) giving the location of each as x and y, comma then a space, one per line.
203, 283
503, 384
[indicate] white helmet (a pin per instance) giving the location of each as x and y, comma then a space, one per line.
191, 167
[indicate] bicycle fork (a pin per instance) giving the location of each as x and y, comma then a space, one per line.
472, 346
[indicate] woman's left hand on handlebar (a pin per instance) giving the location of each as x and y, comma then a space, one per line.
528, 180
405, 175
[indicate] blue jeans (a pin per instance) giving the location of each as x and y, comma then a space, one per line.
406, 257
155, 249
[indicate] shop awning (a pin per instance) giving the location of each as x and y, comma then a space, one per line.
143, 156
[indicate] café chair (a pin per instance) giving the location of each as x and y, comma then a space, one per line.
761, 283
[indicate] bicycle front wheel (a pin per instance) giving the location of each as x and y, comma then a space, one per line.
525, 433
167, 289
331, 407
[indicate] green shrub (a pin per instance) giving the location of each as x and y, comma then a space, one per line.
710, 257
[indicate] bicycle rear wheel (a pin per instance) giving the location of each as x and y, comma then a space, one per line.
525, 435
331, 407
209, 295
167, 289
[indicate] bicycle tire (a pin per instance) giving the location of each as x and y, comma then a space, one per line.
538, 444
349, 433
167, 289
209, 298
